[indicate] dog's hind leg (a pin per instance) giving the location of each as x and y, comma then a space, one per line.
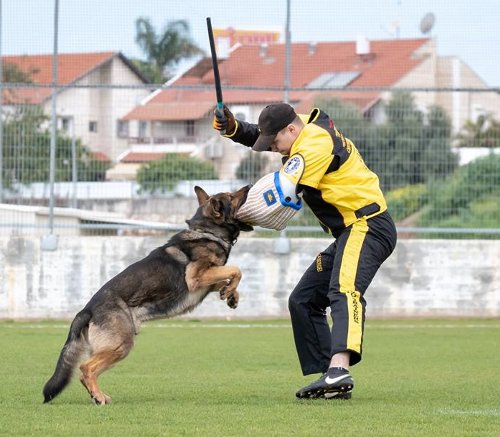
93, 367
109, 347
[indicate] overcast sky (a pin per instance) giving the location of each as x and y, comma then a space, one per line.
469, 29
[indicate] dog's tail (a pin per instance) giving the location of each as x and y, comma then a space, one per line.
69, 357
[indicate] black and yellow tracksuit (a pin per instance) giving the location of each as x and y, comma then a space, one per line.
345, 196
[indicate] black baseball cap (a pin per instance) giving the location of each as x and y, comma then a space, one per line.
272, 119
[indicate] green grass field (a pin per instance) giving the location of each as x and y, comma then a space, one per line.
212, 378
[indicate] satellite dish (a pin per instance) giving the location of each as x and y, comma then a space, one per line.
427, 23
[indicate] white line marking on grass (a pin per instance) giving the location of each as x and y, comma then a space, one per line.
20, 325
475, 412
217, 325
202, 325
437, 325
369, 326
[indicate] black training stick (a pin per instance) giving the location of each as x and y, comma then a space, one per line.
215, 65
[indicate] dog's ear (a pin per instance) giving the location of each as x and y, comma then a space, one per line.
201, 195
217, 207
240, 197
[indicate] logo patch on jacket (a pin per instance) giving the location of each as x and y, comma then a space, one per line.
269, 197
293, 165
319, 263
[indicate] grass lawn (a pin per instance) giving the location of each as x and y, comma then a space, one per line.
212, 378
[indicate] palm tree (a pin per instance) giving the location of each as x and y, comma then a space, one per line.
485, 132
12, 73
163, 50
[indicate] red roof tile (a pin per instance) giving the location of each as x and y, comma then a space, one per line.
389, 62
100, 156
137, 157
170, 111
70, 68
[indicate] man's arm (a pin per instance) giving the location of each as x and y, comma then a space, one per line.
237, 130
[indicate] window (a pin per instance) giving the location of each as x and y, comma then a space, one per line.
142, 129
190, 128
92, 126
121, 129
65, 124
333, 79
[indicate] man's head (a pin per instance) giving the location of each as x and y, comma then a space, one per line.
279, 127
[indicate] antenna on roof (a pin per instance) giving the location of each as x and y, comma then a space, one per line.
427, 23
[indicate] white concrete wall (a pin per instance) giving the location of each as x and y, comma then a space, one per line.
104, 105
422, 277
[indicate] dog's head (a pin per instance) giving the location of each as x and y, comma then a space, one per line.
221, 208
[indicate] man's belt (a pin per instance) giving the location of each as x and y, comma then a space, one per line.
370, 209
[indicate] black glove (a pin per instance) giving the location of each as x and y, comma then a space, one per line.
224, 121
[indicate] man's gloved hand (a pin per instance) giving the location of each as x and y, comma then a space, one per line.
224, 121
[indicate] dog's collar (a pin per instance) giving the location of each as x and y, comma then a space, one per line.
226, 244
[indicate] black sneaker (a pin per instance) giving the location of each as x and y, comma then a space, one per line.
337, 383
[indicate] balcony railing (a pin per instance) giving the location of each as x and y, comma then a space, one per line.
194, 139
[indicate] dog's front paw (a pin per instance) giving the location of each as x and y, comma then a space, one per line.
232, 300
225, 290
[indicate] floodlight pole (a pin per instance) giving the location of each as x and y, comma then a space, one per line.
1, 109
282, 243
74, 168
49, 242
287, 84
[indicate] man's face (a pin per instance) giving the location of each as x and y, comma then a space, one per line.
284, 140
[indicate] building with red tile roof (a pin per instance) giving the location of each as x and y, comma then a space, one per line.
363, 73
86, 104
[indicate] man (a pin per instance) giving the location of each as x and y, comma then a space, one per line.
344, 194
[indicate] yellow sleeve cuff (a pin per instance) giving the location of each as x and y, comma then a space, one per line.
235, 129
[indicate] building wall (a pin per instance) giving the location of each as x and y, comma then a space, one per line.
101, 104
446, 73
422, 76
423, 278
464, 105
122, 101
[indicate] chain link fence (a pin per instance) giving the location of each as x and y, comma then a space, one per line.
99, 142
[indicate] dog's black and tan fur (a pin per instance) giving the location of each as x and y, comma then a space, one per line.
172, 280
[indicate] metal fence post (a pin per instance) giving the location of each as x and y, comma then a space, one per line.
74, 168
282, 243
49, 242
1, 108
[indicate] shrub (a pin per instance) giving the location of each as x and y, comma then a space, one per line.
405, 201
164, 174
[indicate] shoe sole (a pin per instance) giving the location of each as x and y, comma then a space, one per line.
340, 392
343, 396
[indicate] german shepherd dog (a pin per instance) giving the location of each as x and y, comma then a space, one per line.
172, 280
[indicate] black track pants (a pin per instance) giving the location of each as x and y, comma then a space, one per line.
338, 279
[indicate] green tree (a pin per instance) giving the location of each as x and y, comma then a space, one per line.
485, 132
13, 74
410, 147
26, 151
437, 158
350, 121
346, 116
252, 166
164, 173
400, 140
467, 198
163, 50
